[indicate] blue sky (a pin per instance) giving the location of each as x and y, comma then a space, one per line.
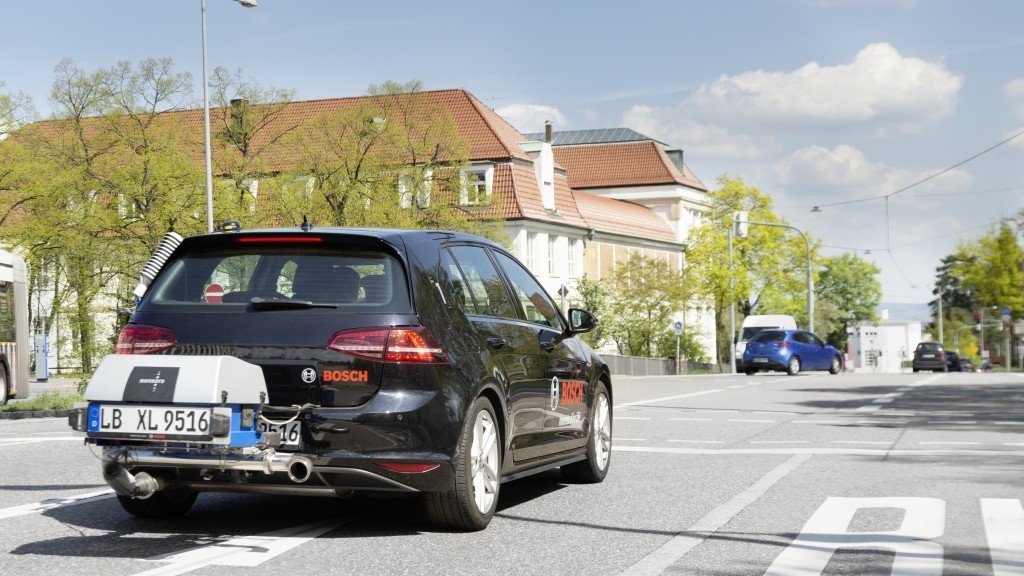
814, 101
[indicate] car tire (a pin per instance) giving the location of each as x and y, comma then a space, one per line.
471, 502
835, 366
915, 370
4, 392
169, 503
750, 372
599, 443
793, 367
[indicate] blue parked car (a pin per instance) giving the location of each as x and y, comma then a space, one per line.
791, 351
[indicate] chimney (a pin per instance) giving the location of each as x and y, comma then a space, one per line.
548, 132
238, 106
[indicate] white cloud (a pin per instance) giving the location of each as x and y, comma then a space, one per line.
704, 139
1014, 91
844, 172
531, 117
880, 91
879, 86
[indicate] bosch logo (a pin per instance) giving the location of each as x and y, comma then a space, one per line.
309, 375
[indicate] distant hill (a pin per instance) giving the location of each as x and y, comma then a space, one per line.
907, 312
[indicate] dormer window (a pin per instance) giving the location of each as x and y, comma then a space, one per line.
477, 184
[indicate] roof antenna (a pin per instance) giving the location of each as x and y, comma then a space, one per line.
306, 226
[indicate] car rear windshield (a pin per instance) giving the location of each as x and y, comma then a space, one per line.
228, 279
929, 346
769, 336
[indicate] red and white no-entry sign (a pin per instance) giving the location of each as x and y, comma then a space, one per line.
214, 293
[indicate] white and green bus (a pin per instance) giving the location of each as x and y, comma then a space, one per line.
14, 336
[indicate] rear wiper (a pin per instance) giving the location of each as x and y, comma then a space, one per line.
279, 304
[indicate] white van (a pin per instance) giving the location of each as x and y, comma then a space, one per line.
754, 324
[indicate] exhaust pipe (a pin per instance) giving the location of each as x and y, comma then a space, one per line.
141, 485
299, 469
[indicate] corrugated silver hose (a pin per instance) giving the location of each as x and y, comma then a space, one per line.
163, 251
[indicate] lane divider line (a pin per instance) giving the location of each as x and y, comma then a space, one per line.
682, 543
37, 507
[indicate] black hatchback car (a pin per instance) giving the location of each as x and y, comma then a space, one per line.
394, 361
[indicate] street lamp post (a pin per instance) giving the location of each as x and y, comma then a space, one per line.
810, 281
206, 120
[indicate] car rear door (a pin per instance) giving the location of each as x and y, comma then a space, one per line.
558, 367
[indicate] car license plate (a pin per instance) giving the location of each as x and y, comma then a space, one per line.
291, 432
149, 422
759, 359
927, 355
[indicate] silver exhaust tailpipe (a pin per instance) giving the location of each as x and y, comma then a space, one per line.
124, 483
299, 469
142, 485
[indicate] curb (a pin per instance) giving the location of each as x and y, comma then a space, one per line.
25, 414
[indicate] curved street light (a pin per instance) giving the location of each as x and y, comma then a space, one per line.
206, 120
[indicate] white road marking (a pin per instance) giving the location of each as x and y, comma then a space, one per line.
665, 398
821, 451
617, 418
868, 408
883, 400
952, 422
680, 544
691, 419
827, 531
52, 503
770, 413
750, 421
904, 389
616, 438
247, 551
860, 442
1010, 423
816, 422
869, 422
950, 443
24, 440
698, 441
780, 442
1004, 527
736, 386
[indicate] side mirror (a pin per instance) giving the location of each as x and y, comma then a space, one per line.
581, 321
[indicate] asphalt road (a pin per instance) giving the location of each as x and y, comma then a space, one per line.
713, 475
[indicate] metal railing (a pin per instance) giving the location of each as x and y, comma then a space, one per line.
639, 366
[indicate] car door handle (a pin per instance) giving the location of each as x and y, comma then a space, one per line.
496, 343
547, 346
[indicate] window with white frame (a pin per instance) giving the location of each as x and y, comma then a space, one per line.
477, 183
414, 184
552, 255
574, 258
531, 259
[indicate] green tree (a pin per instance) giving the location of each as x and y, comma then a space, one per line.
250, 125
390, 160
992, 269
768, 267
648, 293
850, 284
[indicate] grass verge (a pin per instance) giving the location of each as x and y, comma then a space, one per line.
46, 401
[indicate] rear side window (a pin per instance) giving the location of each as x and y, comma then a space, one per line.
769, 336
227, 279
476, 284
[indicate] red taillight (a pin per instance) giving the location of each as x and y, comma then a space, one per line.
407, 468
783, 344
279, 239
408, 344
143, 339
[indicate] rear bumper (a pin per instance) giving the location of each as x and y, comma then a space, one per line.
275, 473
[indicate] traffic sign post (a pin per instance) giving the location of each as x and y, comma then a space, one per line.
678, 326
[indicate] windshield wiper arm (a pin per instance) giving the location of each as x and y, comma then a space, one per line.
279, 304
